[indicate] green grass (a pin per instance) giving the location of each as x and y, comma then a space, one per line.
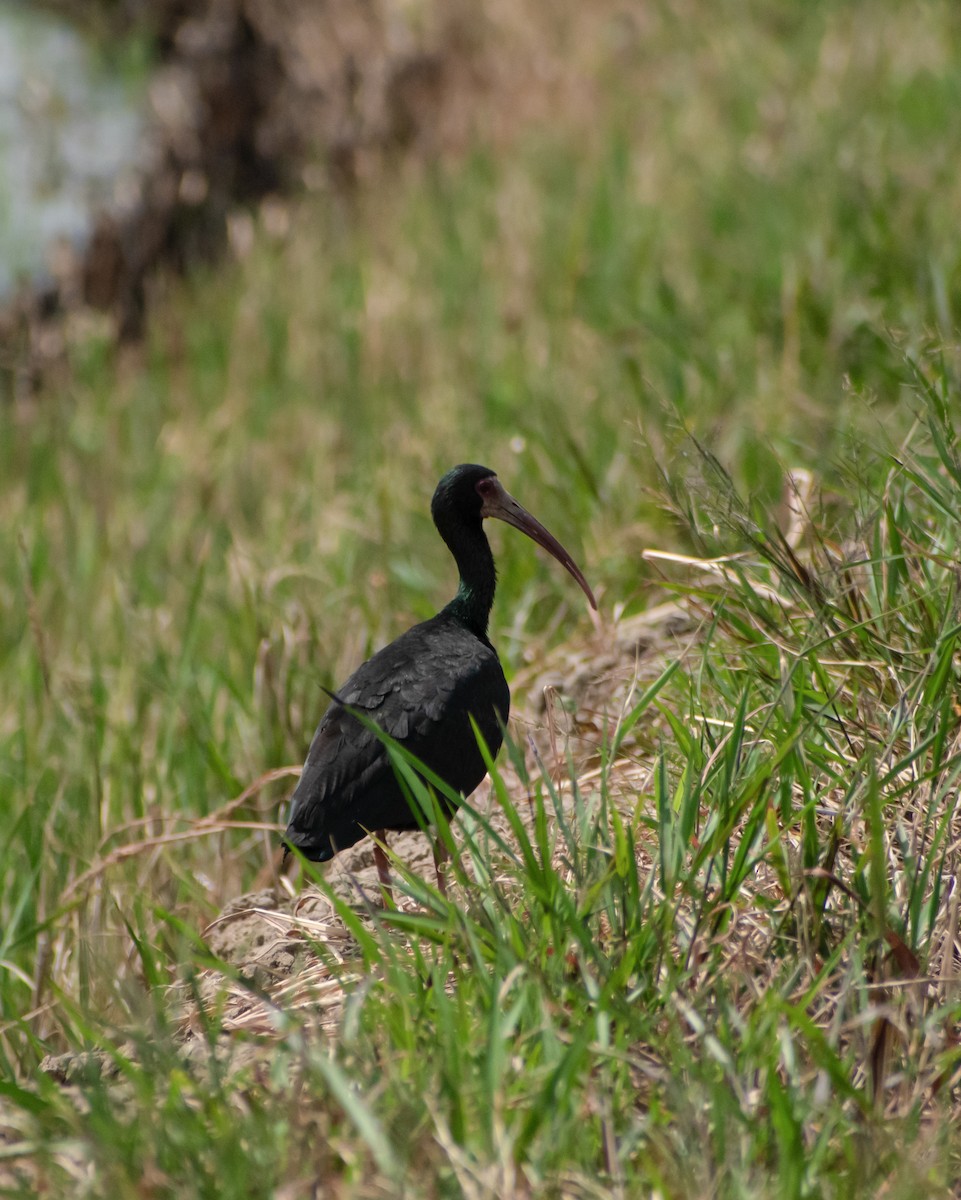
714, 249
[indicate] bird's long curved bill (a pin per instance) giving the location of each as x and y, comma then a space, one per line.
502, 505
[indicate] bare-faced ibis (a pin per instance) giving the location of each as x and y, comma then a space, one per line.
422, 690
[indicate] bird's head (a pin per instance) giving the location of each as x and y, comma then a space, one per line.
469, 493
458, 494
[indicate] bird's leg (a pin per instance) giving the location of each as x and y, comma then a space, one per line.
441, 856
383, 866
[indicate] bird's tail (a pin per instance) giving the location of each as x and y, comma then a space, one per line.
312, 847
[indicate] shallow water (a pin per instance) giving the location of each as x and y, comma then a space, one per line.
69, 133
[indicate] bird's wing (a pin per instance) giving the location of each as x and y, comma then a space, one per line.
418, 690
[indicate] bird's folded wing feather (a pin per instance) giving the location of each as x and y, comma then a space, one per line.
410, 695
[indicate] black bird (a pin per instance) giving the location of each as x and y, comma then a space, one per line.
422, 689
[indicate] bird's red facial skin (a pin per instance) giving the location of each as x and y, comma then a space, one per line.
487, 488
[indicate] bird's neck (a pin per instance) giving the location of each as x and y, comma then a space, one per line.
478, 579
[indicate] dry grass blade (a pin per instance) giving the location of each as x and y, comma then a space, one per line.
200, 827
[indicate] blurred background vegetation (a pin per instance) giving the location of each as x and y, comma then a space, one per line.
653, 224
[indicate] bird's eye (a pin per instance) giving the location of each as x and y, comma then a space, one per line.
486, 487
